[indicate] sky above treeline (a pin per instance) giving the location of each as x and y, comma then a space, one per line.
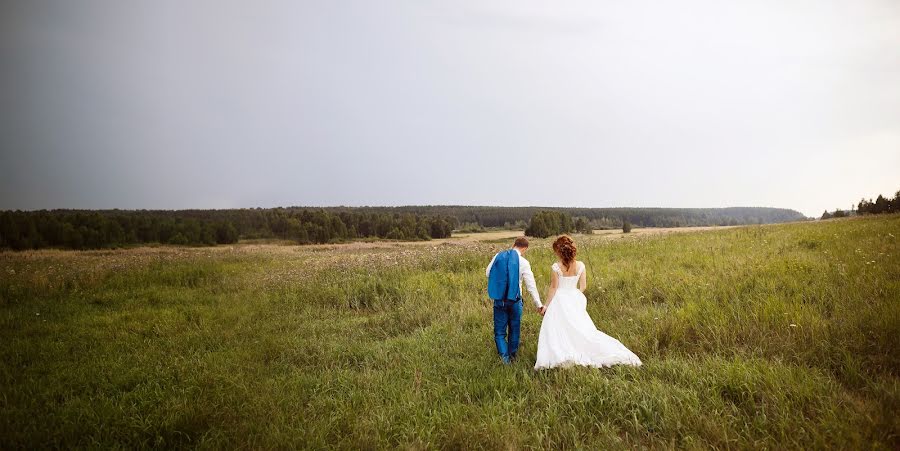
210, 104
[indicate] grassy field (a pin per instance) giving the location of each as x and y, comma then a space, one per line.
775, 337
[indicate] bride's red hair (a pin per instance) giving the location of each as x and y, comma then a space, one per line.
565, 249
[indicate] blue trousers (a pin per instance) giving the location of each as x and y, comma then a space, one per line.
507, 319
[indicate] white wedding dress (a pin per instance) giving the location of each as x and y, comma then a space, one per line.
568, 335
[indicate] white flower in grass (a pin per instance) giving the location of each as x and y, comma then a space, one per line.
792, 325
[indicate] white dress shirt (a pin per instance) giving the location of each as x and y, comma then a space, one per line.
525, 275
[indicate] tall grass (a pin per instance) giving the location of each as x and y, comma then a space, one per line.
757, 337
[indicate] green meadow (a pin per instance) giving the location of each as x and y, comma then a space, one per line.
780, 337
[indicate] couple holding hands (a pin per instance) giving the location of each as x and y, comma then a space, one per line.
568, 335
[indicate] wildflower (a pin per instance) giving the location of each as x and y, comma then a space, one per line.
793, 325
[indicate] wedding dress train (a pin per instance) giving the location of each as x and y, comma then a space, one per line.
568, 335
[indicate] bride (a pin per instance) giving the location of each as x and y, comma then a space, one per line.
568, 335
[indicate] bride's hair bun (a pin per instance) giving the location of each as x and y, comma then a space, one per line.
565, 248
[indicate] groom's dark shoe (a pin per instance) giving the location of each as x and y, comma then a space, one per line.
512, 357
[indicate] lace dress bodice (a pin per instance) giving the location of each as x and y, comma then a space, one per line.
568, 282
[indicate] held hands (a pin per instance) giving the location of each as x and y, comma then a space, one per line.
542, 310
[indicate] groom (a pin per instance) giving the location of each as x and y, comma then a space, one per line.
505, 273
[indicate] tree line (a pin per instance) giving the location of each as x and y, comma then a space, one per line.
597, 218
85, 229
868, 207
95, 229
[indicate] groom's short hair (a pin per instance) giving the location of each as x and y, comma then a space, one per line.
521, 242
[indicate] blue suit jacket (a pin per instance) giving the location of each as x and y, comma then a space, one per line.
503, 280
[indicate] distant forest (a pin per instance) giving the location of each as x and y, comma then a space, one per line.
83, 229
96, 229
598, 218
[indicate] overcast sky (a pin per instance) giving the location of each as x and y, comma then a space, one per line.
217, 104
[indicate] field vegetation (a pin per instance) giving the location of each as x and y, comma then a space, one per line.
779, 337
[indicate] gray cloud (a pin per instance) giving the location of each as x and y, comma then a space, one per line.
208, 104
